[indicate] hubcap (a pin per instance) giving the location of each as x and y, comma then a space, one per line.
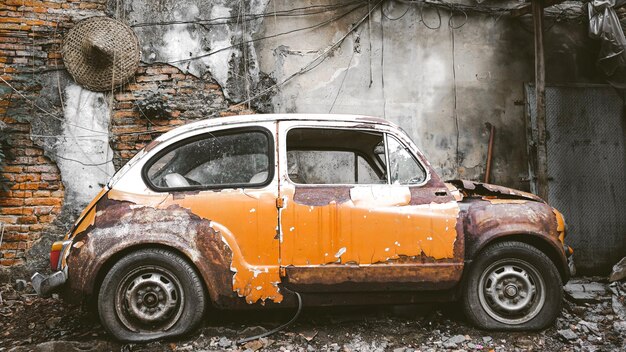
149, 298
511, 291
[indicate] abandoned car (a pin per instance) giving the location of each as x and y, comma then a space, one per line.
276, 210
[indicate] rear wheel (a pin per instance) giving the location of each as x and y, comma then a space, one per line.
512, 286
151, 294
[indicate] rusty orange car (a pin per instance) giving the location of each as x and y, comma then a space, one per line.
259, 211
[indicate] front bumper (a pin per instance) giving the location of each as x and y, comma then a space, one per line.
46, 285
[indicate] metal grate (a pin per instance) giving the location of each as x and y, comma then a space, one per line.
586, 167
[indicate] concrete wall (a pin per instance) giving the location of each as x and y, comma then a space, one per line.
440, 84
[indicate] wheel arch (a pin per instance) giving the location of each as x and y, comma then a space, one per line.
541, 242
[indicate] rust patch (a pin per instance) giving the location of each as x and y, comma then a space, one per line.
86, 221
152, 145
175, 227
319, 196
479, 189
377, 278
487, 220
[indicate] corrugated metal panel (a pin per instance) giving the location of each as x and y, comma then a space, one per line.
586, 166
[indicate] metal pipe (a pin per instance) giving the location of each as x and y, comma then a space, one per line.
492, 132
540, 93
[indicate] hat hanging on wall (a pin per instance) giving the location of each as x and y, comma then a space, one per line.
101, 53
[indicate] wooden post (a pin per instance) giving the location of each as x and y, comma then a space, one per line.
540, 93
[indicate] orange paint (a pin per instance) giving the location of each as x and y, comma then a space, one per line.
86, 212
505, 201
560, 225
366, 229
247, 222
87, 221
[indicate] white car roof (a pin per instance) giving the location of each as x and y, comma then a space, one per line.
237, 119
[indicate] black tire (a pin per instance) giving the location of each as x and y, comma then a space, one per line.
151, 294
512, 286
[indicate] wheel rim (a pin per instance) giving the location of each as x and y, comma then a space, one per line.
511, 291
148, 299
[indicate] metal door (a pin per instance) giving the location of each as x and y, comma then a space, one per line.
587, 179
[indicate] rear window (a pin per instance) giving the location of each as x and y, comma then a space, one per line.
233, 159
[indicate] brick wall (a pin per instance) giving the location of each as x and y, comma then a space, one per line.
33, 197
32, 192
158, 98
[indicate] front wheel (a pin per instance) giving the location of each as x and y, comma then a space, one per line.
150, 294
512, 286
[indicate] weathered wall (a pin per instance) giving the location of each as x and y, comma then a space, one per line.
201, 59
30, 206
441, 85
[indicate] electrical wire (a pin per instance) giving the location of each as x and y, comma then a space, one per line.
315, 26
456, 116
342, 81
47, 112
382, 63
275, 330
251, 17
421, 10
450, 22
82, 163
313, 63
395, 18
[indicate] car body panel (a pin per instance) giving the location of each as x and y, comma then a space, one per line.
368, 237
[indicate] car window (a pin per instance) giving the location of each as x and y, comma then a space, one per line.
403, 168
234, 159
333, 156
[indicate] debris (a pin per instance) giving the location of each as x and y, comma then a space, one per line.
585, 292
619, 326
224, 342
69, 346
308, 334
20, 285
52, 322
567, 334
454, 341
253, 345
588, 327
619, 271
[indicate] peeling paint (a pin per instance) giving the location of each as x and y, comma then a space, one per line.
337, 226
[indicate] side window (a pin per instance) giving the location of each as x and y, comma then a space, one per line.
333, 156
214, 161
403, 168
321, 167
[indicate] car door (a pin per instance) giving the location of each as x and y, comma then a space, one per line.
227, 176
362, 211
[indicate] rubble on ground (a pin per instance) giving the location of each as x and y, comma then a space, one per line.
593, 318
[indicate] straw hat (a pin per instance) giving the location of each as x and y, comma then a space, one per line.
101, 53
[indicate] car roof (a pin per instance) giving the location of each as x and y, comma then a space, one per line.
239, 119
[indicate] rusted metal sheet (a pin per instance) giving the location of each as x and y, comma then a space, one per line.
319, 196
353, 278
487, 220
471, 188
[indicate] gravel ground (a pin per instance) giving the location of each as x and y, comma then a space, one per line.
593, 319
